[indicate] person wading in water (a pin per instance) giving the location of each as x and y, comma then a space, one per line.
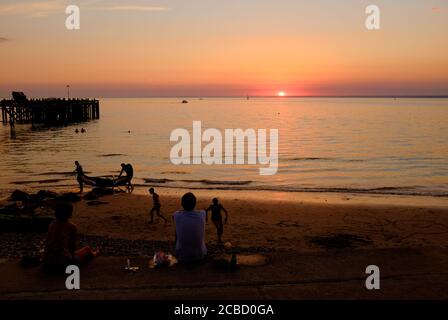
79, 173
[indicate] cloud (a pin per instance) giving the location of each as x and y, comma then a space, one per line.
137, 8
44, 8
437, 9
3, 39
34, 8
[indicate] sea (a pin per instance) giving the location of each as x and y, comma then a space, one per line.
387, 146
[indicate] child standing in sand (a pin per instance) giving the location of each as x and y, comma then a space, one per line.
216, 208
155, 206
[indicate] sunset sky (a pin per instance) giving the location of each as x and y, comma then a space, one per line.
219, 48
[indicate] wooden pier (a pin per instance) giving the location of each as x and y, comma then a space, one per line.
48, 111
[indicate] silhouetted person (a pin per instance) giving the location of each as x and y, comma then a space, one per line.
127, 168
83, 130
76, 131
216, 209
155, 206
60, 249
79, 173
190, 231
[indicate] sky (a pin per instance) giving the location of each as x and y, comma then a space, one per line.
144, 48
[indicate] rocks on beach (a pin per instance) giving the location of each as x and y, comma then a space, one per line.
19, 195
31, 212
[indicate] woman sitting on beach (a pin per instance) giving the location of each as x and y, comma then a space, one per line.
60, 249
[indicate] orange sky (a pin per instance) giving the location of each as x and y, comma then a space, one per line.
174, 48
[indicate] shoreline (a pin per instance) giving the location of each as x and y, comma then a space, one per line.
289, 196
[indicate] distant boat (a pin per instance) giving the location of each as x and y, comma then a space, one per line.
184, 101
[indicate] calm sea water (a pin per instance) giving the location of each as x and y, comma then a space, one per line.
386, 146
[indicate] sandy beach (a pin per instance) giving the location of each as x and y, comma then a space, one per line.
314, 246
275, 224
320, 127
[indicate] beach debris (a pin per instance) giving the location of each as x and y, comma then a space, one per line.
184, 101
129, 268
339, 241
161, 259
228, 245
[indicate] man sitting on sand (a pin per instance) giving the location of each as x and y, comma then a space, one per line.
190, 231
216, 208
155, 206
60, 249
127, 168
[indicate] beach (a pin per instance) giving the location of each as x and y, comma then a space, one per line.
360, 182
313, 134
292, 246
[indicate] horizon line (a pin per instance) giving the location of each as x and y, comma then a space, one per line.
444, 96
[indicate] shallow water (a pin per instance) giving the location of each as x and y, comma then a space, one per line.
374, 146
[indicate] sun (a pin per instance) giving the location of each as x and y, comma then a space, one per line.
281, 93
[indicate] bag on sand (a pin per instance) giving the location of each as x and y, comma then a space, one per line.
161, 259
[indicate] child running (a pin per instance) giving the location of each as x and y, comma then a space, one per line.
216, 208
156, 206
